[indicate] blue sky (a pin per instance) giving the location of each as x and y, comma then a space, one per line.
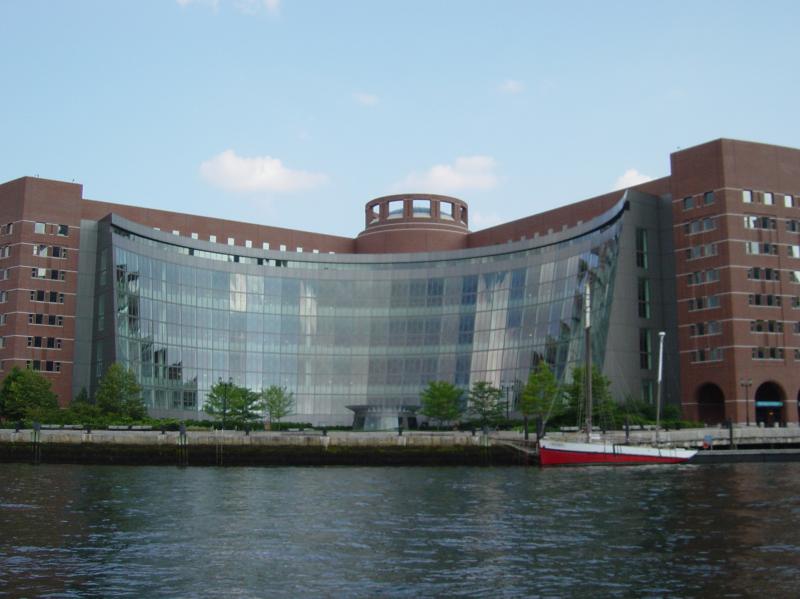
295, 113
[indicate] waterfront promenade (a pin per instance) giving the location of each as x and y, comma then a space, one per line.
314, 447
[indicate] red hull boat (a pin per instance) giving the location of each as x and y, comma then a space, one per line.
562, 453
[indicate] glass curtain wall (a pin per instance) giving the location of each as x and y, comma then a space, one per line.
348, 333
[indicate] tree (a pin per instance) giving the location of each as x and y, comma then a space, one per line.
220, 399
603, 404
247, 405
441, 401
118, 394
277, 403
83, 408
540, 395
26, 394
485, 403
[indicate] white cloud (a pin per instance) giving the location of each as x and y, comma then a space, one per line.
511, 86
260, 173
467, 172
365, 99
248, 7
630, 178
480, 220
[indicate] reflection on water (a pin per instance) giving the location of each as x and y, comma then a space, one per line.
210, 532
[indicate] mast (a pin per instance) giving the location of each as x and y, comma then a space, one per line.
661, 335
588, 373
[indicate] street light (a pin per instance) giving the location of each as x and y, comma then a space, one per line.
746, 383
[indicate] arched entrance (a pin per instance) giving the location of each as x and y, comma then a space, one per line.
710, 404
769, 403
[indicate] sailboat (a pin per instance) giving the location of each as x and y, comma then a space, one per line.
592, 451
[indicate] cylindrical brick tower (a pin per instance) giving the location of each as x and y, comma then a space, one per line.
413, 223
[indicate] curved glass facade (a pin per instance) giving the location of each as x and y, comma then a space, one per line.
344, 330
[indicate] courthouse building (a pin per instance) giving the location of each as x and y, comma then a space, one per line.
356, 327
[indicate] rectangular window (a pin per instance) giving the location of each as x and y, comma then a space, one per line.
708, 198
39, 228
40, 250
712, 354
788, 201
688, 203
766, 326
759, 222
249, 244
265, 245
641, 248
747, 196
231, 241
768, 199
5, 251
793, 226
283, 247
3, 318
62, 230
212, 238
793, 251
767, 353
644, 298
7, 229
763, 274
764, 299
645, 349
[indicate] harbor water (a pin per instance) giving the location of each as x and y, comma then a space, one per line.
690, 530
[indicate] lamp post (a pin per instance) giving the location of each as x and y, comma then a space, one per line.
746, 383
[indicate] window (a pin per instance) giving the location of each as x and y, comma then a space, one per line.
5, 251
7, 229
283, 247
763, 274
40, 250
767, 353
3, 274
265, 245
793, 226
212, 238
697, 226
62, 230
248, 243
701, 251
645, 349
759, 222
704, 303
446, 210
231, 241
641, 248
3, 297
747, 196
753, 248
768, 199
688, 203
700, 329
39, 228
713, 354
38, 273
421, 207
788, 201
3, 318
644, 298
395, 209
793, 251
703, 276
766, 326
708, 198
46, 319
176, 232
764, 299
59, 252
